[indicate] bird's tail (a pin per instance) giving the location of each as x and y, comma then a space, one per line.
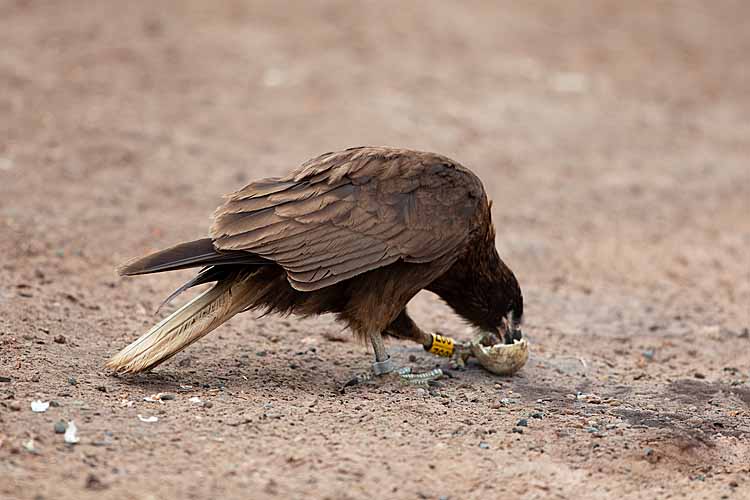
189, 323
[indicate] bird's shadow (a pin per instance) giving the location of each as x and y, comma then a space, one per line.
306, 377
312, 379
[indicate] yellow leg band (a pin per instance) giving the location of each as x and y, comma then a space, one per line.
441, 346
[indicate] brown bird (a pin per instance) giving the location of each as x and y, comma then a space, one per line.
356, 233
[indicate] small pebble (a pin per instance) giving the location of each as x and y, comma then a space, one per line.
94, 483
102, 388
167, 396
517, 430
592, 429
484, 446
3, 378
699, 375
733, 484
538, 415
60, 339
522, 423
29, 446
60, 427
72, 381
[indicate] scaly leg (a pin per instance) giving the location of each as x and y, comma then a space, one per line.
403, 327
383, 365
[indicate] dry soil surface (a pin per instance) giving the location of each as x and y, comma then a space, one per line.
613, 137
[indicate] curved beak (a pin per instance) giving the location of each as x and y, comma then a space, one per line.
510, 331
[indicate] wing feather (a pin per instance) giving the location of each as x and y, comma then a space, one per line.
349, 212
331, 261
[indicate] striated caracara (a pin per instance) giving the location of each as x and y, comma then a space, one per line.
356, 233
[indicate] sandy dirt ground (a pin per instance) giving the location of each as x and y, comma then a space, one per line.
613, 137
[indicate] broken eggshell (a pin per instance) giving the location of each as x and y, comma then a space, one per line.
71, 433
501, 359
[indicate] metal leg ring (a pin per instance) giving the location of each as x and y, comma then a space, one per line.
383, 367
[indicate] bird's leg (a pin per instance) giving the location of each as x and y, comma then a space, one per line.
404, 327
383, 365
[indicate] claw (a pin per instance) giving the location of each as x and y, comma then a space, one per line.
461, 353
502, 356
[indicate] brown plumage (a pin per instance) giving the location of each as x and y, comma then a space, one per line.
357, 233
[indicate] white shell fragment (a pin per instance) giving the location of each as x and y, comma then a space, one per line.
502, 359
71, 433
39, 406
30, 446
148, 419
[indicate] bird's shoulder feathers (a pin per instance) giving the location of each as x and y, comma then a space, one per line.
345, 213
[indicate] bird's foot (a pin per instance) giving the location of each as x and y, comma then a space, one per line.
502, 355
385, 371
458, 359
423, 378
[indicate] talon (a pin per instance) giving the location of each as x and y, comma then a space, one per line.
461, 353
360, 378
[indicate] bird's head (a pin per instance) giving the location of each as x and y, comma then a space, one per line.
511, 328
504, 304
504, 330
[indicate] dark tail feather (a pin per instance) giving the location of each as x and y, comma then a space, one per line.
206, 275
185, 255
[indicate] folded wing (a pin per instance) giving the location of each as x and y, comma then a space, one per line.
347, 213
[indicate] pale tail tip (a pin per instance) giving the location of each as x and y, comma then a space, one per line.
118, 365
